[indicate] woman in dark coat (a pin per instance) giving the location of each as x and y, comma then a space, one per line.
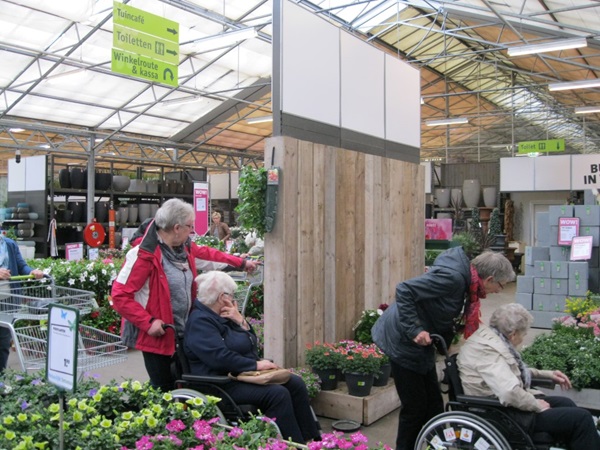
432, 304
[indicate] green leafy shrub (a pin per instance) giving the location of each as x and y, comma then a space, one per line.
362, 329
252, 193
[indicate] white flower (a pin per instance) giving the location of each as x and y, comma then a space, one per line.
82, 278
104, 272
71, 281
93, 278
379, 312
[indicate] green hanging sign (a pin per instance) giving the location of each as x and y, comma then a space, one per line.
550, 145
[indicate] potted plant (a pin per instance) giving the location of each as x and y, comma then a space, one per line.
362, 329
311, 380
323, 359
360, 363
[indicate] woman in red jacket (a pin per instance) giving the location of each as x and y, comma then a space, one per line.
155, 286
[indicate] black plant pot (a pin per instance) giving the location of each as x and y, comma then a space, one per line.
103, 181
101, 211
64, 178
78, 211
77, 178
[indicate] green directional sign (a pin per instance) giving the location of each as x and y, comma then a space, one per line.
146, 22
550, 145
145, 45
144, 67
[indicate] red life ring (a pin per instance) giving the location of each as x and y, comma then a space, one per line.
94, 234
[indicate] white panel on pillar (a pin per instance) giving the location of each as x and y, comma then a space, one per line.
516, 174
362, 87
402, 102
585, 172
310, 65
552, 173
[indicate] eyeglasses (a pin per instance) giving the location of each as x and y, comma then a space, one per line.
500, 284
228, 293
190, 226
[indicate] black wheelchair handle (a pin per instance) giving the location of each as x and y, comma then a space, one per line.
441, 342
168, 325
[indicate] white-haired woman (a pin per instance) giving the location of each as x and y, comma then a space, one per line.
218, 340
490, 365
155, 286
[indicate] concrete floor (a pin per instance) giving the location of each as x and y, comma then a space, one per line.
383, 430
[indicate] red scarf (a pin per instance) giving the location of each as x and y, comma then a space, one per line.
472, 309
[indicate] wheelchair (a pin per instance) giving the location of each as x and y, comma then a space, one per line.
471, 422
189, 386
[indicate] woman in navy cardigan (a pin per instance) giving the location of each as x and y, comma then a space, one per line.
11, 264
218, 340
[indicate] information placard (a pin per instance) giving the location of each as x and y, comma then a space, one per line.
568, 228
61, 357
581, 248
74, 251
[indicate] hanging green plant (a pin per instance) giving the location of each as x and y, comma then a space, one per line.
252, 193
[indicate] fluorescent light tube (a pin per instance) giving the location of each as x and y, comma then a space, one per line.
547, 47
261, 119
222, 39
587, 109
454, 121
583, 84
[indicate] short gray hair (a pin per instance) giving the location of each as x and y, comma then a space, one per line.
493, 264
212, 284
511, 318
173, 212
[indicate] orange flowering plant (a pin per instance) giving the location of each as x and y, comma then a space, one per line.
359, 358
322, 356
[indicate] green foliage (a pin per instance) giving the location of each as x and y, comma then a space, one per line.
430, 255
469, 241
10, 233
209, 241
311, 380
574, 351
252, 193
495, 226
256, 304
577, 307
362, 329
322, 356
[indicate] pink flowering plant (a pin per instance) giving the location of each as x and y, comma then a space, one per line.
359, 358
322, 356
584, 314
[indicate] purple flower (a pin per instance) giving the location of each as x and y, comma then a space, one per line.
93, 392
18, 377
235, 432
175, 440
144, 443
36, 382
358, 438
24, 405
175, 425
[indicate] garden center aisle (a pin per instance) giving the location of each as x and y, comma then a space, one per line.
383, 430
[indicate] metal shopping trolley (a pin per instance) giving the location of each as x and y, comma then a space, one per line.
25, 298
245, 283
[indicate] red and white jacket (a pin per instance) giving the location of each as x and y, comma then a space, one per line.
141, 291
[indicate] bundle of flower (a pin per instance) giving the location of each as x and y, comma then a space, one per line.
131, 415
362, 329
359, 358
322, 356
584, 314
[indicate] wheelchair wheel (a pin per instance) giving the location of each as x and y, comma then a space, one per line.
181, 395
460, 430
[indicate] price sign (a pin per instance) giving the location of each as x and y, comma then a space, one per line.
61, 358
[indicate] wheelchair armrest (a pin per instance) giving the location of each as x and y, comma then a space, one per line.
476, 400
213, 379
543, 383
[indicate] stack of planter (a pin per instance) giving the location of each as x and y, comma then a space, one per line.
549, 275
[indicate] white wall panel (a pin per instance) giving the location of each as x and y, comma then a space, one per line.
16, 176
516, 174
552, 173
310, 66
402, 102
362, 87
585, 172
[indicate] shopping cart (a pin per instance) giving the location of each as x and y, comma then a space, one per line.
245, 283
28, 299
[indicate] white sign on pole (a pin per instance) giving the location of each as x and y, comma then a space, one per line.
61, 358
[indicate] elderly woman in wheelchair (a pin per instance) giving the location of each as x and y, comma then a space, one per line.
490, 366
218, 341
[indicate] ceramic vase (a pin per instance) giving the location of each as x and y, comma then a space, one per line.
152, 186
471, 193
443, 197
490, 196
101, 211
77, 178
64, 178
133, 213
124, 214
120, 183
77, 210
153, 209
359, 384
102, 180
456, 198
144, 211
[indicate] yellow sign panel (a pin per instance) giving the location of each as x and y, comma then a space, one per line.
144, 67
144, 44
550, 145
130, 17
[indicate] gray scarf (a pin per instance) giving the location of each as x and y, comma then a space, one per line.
525, 372
176, 255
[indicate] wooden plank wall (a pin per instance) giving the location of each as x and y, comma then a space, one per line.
349, 228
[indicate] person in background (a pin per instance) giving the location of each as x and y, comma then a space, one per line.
218, 340
219, 229
11, 264
490, 365
155, 286
433, 302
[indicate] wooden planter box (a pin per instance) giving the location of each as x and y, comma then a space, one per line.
338, 404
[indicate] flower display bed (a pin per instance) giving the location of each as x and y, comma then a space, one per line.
338, 404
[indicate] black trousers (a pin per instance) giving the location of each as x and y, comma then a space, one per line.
287, 403
568, 423
159, 371
420, 399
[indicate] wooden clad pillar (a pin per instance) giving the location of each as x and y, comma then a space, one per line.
349, 228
